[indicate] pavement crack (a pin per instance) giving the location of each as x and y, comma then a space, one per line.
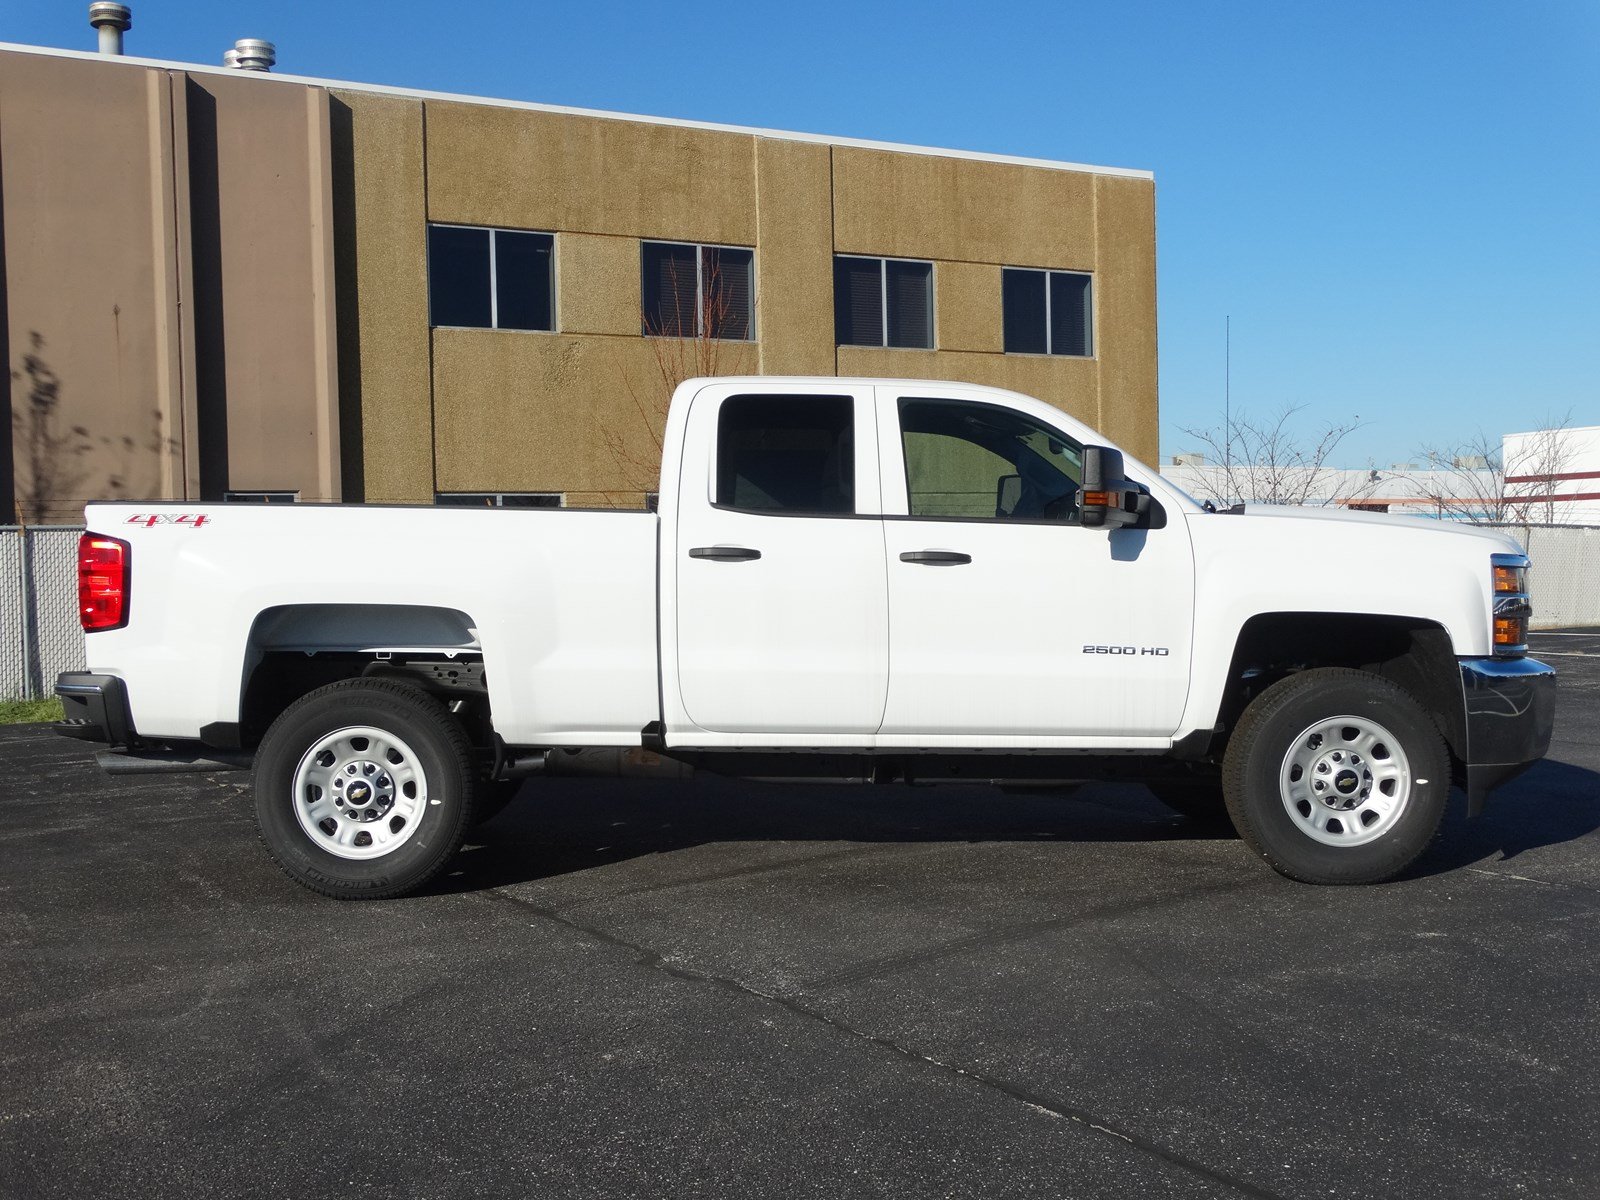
1045, 1106
895, 964
1550, 883
723, 876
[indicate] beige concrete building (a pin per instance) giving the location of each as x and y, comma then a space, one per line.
228, 283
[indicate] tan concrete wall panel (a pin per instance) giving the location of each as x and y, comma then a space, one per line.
794, 259
597, 284
967, 307
952, 209
1068, 383
269, 224
392, 381
81, 234
533, 170
1125, 310
543, 412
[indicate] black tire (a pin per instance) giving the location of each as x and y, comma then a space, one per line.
1259, 760
492, 797
439, 757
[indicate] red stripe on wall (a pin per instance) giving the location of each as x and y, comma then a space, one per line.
1553, 478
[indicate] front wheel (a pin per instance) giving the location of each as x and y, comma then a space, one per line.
363, 789
1337, 776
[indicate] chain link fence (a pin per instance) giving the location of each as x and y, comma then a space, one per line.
39, 632
1564, 586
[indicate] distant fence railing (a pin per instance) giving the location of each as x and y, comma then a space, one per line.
40, 636
39, 631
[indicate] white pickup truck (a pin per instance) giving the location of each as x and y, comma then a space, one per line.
865, 580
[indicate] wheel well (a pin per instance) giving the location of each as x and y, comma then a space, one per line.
297, 648
1415, 654
281, 677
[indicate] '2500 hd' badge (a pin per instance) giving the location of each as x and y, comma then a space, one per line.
192, 520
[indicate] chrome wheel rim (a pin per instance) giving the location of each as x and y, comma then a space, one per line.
360, 792
1345, 781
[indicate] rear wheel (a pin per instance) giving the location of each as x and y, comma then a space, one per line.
1337, 776
363, 789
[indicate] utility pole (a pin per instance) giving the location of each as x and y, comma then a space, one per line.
1227, 395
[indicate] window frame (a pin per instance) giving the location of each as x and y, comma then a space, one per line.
441, 499
494, 278
699, 290
1049, 336
883, 261
260, 496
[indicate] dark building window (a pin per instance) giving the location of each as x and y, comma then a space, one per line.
793, 454
260, 497
1048, 312
882, 302
697, 291
501, 499
490, 278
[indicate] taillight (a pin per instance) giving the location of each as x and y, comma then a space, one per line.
102, 582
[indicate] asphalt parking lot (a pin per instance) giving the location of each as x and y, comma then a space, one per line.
725, 989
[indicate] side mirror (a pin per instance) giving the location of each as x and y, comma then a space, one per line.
1108, 501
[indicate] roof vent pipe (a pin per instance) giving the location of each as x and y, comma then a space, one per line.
112, 20
251, 54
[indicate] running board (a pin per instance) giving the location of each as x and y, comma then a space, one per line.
159, 762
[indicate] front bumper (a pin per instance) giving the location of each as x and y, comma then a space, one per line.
96, 709
1510, 706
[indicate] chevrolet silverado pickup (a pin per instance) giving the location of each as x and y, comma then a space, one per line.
864, 580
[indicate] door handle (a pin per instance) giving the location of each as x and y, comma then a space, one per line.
725, 553
936, 558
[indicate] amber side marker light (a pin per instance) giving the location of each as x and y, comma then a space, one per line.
1510, 632
102, 582
1510, 579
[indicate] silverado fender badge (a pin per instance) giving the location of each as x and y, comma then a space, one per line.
192, 520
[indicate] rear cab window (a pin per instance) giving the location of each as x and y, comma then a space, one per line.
787, 455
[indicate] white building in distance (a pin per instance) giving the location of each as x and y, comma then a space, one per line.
1550, 477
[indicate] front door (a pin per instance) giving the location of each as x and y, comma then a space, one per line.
782, 612
1010, 623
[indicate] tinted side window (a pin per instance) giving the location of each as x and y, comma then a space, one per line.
458, 277
793, 454
982, 462
1022, 307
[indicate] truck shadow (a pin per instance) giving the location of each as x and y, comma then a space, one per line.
565, 826
1554, 802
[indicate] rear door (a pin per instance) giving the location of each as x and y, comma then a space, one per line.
781, 596
1010, 623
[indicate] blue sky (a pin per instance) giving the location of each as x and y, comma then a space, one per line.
1397, 204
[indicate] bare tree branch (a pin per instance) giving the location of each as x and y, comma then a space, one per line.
1476, 482
685, 345
1269, 462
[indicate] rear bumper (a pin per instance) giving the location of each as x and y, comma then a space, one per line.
1510, 706
96, 709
